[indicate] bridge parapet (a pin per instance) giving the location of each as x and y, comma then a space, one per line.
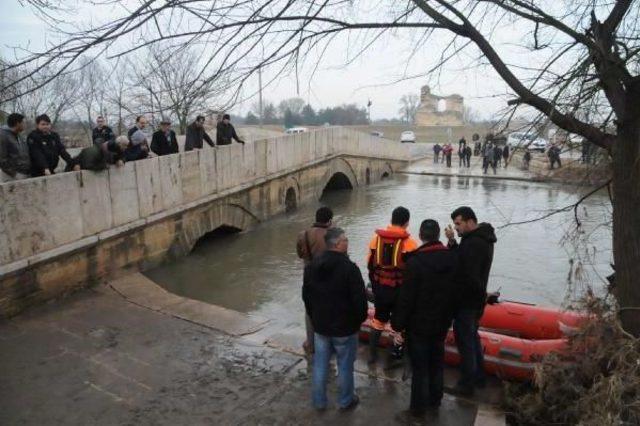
41, 216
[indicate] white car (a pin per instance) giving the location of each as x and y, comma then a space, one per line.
527, 140
296, 130
408, 136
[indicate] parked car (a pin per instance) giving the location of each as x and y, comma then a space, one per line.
296, 130
408, 136
377, 134
522, 140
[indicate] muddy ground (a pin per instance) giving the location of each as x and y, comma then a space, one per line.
98, 359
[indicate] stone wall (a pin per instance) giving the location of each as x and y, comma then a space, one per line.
66, 231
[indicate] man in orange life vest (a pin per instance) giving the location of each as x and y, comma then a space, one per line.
386, 265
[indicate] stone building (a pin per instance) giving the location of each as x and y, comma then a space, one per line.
428, 113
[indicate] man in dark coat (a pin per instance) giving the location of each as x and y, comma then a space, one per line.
102, 133
505, 155
468, 153
196, 135
475, 253
141, 124
436, 152
138, 148
424, 311
225, 132
164, 141
45, 148
98, 157
15, 163
334, 297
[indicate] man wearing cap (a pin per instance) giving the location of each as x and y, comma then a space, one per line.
164, 140
196, 134
225, 132
424, 312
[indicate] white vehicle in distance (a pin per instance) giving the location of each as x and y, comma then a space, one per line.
377, 134
296, 130
408, 136
526, 140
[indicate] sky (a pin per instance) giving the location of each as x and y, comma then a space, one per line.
373, 76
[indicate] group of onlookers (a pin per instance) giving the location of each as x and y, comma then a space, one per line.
419, 289
40, 153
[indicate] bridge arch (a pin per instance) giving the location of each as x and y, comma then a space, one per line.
339, 175
214, 220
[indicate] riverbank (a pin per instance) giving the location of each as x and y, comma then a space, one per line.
572, 172
136, 356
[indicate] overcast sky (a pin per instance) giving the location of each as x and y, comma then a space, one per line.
372, 76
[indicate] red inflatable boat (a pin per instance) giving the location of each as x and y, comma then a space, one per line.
515, 336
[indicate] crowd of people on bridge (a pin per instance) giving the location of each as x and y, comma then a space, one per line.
40, 152
420, 289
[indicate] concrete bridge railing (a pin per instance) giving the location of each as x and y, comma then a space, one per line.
43, 217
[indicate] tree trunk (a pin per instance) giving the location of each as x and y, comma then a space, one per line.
626, 220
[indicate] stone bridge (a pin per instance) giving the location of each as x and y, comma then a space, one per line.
67, 231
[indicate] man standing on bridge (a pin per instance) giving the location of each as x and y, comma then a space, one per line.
310, 244
102, 133
196, 135
225, 132
15, 163
475, 253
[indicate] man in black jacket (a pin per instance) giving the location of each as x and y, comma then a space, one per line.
475, 253
334, 298
141, 124
164, 140
424, 311
196, 134
45, 148
102, 133
225, 132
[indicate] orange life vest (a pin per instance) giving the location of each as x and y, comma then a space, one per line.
386, 258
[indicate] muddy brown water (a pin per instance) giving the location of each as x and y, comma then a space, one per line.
258, 271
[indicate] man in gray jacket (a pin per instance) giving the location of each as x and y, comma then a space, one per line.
14, 153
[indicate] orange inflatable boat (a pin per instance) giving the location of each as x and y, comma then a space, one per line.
515, 336
529, 321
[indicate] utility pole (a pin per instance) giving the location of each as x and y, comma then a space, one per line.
260, 97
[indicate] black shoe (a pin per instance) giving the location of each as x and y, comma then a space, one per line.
481, 383
433, 405
374, 339
410, 417
354, 402
463, 390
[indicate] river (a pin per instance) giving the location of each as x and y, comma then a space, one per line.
258, 271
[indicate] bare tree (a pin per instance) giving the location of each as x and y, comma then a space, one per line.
580, 69
409, 104
294, 105
118, 95
91, 96
54, 99
170, 81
